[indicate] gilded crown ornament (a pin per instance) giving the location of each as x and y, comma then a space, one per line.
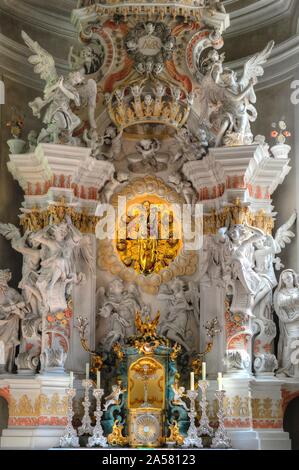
149, 101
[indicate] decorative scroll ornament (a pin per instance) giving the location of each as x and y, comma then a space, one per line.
148, 340
175, 435
149, 101
116, 438
150, 45
96, 359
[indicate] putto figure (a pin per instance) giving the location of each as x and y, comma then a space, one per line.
114, 397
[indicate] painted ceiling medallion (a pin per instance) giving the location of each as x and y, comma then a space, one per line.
150, 45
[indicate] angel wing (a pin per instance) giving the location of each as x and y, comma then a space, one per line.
209, 96
43, 61
84, 251
10, 231
254, 66
284, 235
100, 295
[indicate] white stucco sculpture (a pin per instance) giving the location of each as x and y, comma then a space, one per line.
119, 305
227, 102
31, 251
182, 311
286, 304
114, 397
62, 246
12, 309
264, 258
60, 94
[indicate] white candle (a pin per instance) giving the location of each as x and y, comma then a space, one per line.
71, 379
98, 379
192, 381
204, 370
219, 380
87, 371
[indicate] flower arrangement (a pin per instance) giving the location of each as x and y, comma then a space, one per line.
280, 132
16, 124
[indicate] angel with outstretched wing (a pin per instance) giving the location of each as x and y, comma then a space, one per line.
31, 252
226, 103
268, 247
60, 94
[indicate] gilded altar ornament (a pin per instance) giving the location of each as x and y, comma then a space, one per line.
148, 340
36, 219
175, 351
175, 435
118, 351
212, 328
146, 249
96, 359
149, 101
116, 438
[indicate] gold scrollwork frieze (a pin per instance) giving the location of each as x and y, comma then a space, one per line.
38, 219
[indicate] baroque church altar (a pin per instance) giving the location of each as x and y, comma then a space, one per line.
153, 309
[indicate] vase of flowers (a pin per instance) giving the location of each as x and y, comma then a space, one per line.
280, 133
16, 144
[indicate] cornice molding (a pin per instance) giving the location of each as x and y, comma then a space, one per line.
257, 14
40, 17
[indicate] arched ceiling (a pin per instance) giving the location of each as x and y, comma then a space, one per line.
253, 23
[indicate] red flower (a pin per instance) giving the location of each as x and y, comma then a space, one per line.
274, 134
68, 313
287, 134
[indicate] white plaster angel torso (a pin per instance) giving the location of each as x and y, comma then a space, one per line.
286, 303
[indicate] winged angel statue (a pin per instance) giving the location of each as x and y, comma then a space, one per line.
226, 103
61, 95
50, 260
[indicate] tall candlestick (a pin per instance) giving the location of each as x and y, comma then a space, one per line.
192, 381
71, 379
204, 370
87, 371
98, 379
219, 380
